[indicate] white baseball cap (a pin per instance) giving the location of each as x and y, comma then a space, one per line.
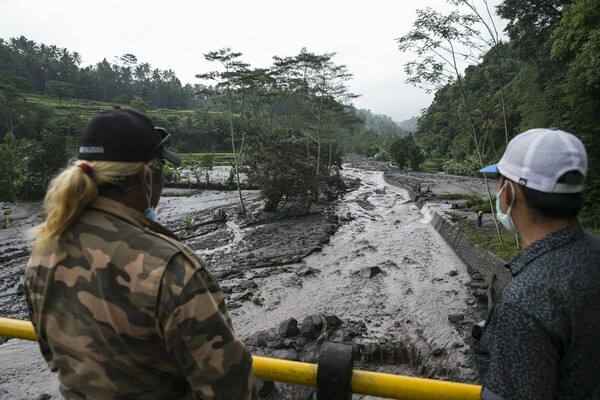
538, 158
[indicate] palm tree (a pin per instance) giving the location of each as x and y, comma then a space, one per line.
48, 54
106, 74
66, 64
142, 71
76, 58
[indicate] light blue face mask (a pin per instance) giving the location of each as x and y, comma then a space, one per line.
506, 219
150, 214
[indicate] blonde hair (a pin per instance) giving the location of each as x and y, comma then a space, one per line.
73, 189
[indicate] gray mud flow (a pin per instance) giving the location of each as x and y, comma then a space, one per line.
397, 320
406, 306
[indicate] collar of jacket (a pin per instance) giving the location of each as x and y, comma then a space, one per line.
542, 246
130, 215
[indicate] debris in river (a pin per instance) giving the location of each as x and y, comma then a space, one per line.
369, 272
456, 317
288, 328
304, 270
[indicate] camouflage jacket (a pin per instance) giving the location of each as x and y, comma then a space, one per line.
122, 310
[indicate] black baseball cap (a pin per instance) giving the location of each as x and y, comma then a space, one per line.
124, 135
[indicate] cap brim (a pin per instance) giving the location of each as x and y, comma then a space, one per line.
490, 169
170, 156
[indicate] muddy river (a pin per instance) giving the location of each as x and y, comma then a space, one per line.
371, 259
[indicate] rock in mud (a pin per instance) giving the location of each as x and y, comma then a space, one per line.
265, 388
288, 328
453, 272
332, 320
437, 352
246, 295
347, 218
332, 229
257, 301
304, 270
324, 239
369, 272
456, 317
308, 328
248, 284
286, 354
317, 322
232, 305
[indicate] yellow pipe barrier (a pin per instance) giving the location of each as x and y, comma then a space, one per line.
408, 388
299, 373
273, 369
16, 328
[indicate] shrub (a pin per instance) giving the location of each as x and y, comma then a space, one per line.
14, 162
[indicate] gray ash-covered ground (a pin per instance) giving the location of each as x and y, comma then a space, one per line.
410, 313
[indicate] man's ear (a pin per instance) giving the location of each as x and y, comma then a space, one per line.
519, 196
507, 191
512, 188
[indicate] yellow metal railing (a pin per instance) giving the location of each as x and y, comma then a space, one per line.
16, 328
363, 382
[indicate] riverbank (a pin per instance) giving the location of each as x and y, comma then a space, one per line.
403, 299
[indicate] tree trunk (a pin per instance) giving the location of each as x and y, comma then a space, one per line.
319, 138
236, 159
476, 141
272, 203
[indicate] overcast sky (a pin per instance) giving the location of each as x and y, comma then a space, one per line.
174, 35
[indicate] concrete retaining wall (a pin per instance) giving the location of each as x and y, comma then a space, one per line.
475, 258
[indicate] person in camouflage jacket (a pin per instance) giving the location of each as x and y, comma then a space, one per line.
120, 308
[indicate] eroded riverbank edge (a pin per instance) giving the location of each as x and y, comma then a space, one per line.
476, 259
372, 353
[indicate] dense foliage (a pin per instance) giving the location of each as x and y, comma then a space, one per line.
46, 98
547, 75
50, 70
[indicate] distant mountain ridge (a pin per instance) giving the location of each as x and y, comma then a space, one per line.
380, 123
409, 125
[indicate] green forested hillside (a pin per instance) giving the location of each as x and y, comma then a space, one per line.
546, 75
300, 103
486, 89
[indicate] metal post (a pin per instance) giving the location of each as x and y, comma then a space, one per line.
334, 372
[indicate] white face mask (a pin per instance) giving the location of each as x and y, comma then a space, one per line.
506, 219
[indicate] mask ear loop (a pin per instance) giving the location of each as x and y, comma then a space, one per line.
149, 210
149, 193
512, 191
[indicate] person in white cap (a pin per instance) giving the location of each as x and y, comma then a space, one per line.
541, 339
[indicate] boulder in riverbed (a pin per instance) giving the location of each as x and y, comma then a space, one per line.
369, 272
288, 328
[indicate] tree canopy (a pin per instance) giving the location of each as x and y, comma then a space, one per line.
547, 75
